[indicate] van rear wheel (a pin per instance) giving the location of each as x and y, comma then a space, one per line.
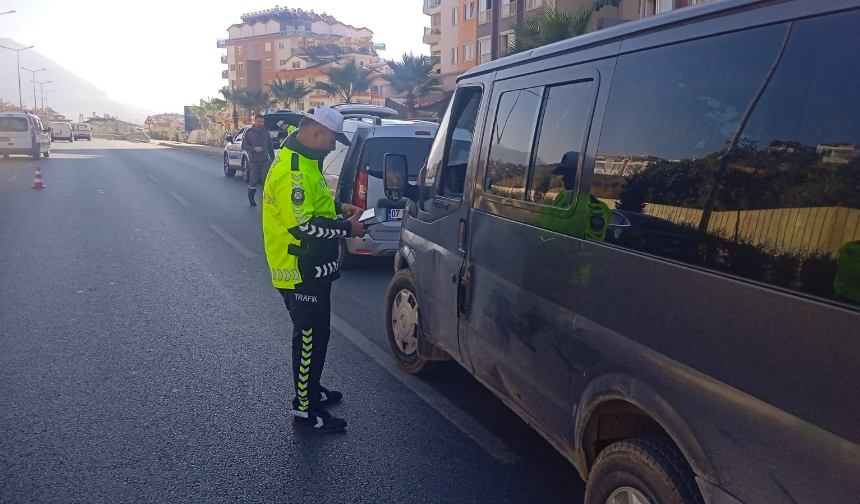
403, 323
642, 471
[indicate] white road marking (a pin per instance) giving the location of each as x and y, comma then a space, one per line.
13, 177
232, 241
153, 178
179, 198
137, 166
484, 438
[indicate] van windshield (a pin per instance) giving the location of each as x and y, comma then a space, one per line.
415, 150
13, 124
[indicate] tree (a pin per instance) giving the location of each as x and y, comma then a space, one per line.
231, 96
255, 100
288, 92
412, 79
553, 25
345, 81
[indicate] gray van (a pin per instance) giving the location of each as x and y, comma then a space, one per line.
652, 251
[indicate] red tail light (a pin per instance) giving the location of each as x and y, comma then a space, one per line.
359, 197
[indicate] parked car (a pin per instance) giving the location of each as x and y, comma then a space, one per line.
354, 175
723, 374
83, 131
61, 131
23, 133
237, 160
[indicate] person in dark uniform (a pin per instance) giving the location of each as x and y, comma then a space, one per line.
258, 144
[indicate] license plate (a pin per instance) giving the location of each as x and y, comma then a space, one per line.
4, 139
395, 213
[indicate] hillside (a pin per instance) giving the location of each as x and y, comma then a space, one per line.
73, 95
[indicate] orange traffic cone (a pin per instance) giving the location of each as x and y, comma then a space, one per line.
37, 181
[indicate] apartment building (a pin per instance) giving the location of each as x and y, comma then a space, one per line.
465, 33
289, 43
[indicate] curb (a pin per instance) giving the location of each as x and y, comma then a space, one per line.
194, 150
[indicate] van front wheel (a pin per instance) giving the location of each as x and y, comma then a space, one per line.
403, 323
642, 470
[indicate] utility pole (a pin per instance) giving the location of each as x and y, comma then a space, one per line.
35, 106
18, 60
45, 99
41, 91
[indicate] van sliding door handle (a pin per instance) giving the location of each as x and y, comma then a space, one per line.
461, 236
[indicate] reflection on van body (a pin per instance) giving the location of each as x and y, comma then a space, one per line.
654, 248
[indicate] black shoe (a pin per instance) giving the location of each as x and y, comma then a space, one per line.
329, 397
251, 198
317, 421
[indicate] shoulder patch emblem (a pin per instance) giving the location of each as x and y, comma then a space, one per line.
298, 196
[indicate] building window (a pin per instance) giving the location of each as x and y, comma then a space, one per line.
297, 65
242, 112
268, 46
311, 80
241, 82
239, 49
455, 15
455, 55
241, 67
233, 67
469, 52
268, 63
484, 50
300, 105
509, 8
281, 45
506, 41
469, 10
300, 82
233, 84
282, 62
534, 4
484, 12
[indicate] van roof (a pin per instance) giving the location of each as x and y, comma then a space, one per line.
618, 32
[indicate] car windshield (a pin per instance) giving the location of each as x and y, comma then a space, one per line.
13, 124
415, 150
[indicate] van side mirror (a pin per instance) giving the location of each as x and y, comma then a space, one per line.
395, 176
229, 139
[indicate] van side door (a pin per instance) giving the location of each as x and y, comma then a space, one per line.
436, 227
522, 299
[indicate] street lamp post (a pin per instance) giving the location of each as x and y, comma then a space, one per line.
45, 98
18, 59
35, 106
7, 12
41, 90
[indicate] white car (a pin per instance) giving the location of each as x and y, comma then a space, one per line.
83, 131
62, 131
24, 134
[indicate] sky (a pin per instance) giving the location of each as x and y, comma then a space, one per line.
161, 54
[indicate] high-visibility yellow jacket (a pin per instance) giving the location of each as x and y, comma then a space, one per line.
300, 224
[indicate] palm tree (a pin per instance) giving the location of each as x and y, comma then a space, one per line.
345, 81
412, 79
552, 25
255, 100
289, 91
231, 96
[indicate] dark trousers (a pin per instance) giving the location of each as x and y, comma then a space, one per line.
257, 171
310, 311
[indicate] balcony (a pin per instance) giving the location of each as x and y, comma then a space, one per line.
224, 59
508, 9
485, 17
223, 74
431, 6
222, 42
291, 30
432, 35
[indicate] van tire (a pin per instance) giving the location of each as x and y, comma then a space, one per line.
47, 154
411, 362
345, 260
651, 466
37, 154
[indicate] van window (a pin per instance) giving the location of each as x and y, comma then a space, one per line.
14, 125
454, 147
415, 150
513, 131
567, 112
781, 205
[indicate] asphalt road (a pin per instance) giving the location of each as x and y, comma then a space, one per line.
144, 357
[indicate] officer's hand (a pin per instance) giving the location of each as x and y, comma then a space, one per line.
258, 149
357, 229
348, 210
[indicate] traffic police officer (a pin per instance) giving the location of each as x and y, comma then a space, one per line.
302, 231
